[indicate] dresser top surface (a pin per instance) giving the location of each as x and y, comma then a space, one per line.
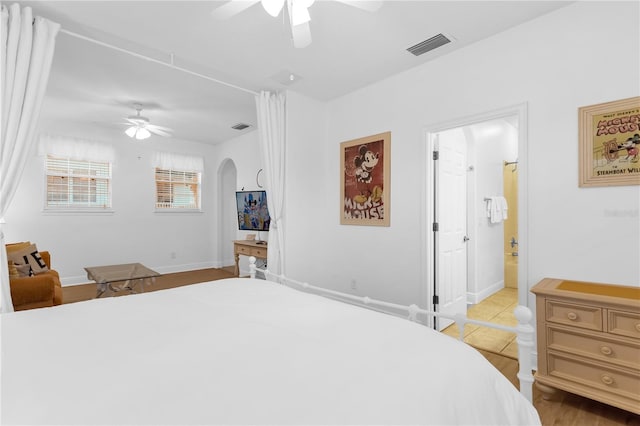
582, 290
601, 289
252, 243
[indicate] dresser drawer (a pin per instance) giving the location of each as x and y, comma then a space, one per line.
594, 375
583, 316
243, 250
259, 252
611, 350
624, 323
251, 251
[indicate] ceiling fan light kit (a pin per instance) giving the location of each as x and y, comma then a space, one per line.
140, 128
272, 7
298, 11
139, 133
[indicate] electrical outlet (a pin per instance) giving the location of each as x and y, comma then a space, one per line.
354, 286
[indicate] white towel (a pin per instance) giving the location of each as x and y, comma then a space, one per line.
503, 207
497, 209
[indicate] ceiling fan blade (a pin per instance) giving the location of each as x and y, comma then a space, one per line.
301, 35
231, 8
156, 127
158, 131
368, 5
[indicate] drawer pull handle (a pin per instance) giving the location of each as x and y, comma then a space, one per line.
606, 350
572, 316
607, 380
638, 326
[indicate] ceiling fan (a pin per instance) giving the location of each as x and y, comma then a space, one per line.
298, 11
140, 128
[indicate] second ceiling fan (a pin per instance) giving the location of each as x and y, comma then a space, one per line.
298, 11
140, 128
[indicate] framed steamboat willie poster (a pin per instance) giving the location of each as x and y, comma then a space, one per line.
609, 138
364, 180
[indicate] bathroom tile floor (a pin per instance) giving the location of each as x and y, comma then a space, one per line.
497, 308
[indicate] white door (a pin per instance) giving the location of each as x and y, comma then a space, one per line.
451, 217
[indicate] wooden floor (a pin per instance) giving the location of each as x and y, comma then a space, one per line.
500, 348
564, 410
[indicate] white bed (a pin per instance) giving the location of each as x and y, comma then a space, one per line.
242, 351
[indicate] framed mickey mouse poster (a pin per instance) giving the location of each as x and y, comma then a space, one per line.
365, 180
609, 147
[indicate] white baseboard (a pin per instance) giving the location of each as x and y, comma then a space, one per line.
82, 279
184, 267
474, 298
226, 262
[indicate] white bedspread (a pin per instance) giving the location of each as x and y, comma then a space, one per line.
242, 351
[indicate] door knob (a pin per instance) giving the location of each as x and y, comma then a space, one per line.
465, 239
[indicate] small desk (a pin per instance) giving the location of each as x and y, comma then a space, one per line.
248, 248
105, 276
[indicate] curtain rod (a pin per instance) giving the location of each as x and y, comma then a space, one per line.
157, 61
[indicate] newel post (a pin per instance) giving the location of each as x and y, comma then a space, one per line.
525, 339
252, 266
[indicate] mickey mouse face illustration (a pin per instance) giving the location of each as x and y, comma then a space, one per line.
365, 162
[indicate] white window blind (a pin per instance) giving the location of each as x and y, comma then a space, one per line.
77, 184
177, 189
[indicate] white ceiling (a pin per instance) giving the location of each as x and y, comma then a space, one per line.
351, 48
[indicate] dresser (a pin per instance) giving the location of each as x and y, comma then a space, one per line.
589, 341
248, 248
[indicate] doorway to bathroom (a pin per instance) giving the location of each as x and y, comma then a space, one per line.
474, 166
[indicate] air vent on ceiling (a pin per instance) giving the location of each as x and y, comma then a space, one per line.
240, 126
429, 44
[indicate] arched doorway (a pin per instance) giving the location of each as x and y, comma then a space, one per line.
227, 220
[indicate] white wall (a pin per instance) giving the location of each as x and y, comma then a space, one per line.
555, 64
165, 242
310, 198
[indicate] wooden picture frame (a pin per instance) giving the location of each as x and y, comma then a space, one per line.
609, 143
365, 166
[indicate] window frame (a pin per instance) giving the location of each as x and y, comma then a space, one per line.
177, 208
78, 207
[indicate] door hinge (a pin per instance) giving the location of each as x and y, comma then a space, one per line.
436, 155
436, 227
436, 299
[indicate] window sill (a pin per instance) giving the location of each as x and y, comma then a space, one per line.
180, 211
78, 211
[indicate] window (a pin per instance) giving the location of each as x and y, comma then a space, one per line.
177, 190
77, 184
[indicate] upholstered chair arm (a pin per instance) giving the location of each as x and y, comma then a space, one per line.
25, 290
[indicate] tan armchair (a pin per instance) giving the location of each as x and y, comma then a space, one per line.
37, 291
